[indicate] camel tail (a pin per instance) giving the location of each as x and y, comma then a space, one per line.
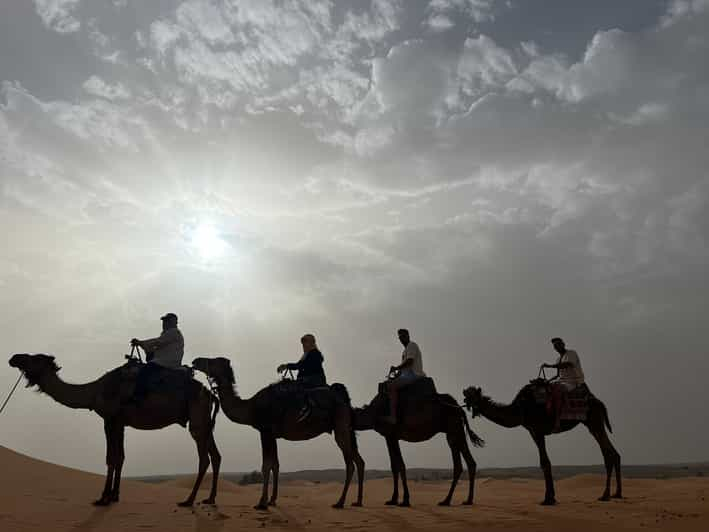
605, 417
448, 401
476, 440
341, 392
215, 412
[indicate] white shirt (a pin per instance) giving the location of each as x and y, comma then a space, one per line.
412, 352
168, 348
573, 375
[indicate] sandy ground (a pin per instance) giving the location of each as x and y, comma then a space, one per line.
37, 496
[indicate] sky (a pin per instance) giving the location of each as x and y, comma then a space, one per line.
488, 174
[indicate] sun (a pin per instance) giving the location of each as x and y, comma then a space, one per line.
206, 241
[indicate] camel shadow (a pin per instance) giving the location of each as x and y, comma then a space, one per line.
93, 520
211, 520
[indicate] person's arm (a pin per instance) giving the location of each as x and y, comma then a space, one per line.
291, 366
151, 344
405, 364
560, 365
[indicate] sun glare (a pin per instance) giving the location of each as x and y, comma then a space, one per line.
206, 240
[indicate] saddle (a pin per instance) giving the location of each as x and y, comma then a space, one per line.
411, 396
574, 405
169, 380
423, 387
290, 394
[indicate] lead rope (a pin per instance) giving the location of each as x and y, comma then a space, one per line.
10, 394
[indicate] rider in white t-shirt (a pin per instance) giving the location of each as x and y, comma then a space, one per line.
410, 370
569, 375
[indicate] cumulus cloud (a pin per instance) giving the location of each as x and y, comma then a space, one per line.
58, 15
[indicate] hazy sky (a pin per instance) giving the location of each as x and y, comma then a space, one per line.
486, 173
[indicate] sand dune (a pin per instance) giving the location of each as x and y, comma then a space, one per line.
38, 496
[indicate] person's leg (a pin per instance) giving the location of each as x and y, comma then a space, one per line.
143, 380
393, 390
558, 396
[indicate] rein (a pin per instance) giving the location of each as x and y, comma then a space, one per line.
213, 386
10, 394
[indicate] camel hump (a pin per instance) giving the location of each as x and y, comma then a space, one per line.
340, 391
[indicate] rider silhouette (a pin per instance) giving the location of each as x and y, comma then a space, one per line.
310, 371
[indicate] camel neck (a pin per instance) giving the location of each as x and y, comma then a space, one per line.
71, 395
501, 414
233, 406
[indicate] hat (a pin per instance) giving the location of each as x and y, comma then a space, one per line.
169, 316
557, 340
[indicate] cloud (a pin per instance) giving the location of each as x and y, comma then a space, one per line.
58, 15
97, 87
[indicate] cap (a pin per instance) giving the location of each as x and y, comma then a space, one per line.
169, 316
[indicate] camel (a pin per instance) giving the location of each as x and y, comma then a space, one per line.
525, 411
277, 417
157, 410
419, 420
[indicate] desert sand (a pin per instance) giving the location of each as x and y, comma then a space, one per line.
38, 496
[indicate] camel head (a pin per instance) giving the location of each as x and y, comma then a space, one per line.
473, 398
34, 367
218, 368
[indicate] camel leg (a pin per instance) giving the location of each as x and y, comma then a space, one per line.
343, 437
268, 446
216, 460
105, 498
275, 469
119, 458
201, 438
472, 468
359, 464
611, 458
545, 464
394, 461
454, 444
402, 472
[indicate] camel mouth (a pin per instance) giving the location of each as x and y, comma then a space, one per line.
18, 360
469, 398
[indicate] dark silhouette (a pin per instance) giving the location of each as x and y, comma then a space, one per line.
409, 371
310, 374
160, 408
420, 417
527, 411
165, 351
275, 415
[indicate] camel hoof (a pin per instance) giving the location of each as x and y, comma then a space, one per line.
262, 507
392, 502
467, 503
548, 502
357, 504
103, 501
617, 496
272, 503
405, 504
444, 503
209, 500
338, 505
604, 498
185, 504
